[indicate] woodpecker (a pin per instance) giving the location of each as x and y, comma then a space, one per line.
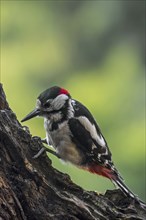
74, 134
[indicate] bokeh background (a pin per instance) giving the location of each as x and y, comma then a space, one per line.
95, 49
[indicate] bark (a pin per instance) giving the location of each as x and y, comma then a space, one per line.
32, 189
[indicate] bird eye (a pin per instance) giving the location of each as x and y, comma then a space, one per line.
47, 105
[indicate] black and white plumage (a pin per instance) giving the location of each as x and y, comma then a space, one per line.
75, 135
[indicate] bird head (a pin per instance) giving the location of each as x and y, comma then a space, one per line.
48, 102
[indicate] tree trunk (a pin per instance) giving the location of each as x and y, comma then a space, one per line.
32, 189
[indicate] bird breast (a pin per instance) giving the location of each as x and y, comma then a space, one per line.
61, 141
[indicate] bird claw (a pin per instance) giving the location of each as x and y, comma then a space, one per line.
44, 141
41, 151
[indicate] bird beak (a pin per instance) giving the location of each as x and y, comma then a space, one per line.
32, 114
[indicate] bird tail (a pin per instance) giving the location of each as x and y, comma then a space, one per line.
115, 177
119, 182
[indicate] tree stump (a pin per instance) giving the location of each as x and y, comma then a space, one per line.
31, 189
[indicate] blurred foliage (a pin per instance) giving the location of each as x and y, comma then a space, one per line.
95, 49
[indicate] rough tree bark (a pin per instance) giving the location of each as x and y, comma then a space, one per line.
32, 189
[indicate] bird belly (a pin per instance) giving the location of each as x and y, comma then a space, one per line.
64, 146
69, 153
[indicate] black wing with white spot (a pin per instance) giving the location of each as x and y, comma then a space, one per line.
87, 135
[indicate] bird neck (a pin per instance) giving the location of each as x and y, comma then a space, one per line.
58, 117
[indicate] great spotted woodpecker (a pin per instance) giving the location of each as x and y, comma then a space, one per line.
75, 135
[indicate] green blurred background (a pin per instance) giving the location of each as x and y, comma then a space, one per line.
95, 49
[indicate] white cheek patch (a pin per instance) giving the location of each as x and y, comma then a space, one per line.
59, 101
92, 130
38, 104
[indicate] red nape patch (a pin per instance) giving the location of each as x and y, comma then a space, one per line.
63, 91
